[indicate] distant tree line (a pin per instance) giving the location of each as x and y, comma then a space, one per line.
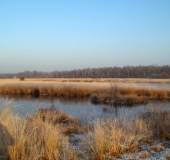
151, 71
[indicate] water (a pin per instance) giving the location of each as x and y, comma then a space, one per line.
81, 108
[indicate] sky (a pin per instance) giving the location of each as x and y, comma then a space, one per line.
50, 35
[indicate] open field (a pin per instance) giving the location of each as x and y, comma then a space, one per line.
127, 91
47, 135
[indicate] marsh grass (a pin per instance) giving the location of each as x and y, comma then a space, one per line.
121, 135
116, 93
130, 95
85, 87
68, 125
42, 136
58, 90
128, 100
158, 121
32, 139
114, 137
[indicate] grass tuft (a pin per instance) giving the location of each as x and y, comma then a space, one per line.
114, 137
68, 125
159, 123
32, 139
45, 135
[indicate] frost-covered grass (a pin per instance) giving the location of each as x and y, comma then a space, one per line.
46, 134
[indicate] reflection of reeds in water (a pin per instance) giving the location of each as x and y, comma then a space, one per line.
49, 98
44, 135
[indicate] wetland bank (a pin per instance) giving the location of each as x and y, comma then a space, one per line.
146, 88
85, 80
67, 124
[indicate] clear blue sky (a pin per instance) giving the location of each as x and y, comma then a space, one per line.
48, 35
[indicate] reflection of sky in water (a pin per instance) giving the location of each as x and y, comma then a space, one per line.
77, 108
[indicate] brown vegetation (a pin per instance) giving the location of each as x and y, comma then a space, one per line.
113, 137
43, 135
127, 100
68, 125
121, 135
158, 121
67, 91
130, 95
33, 139
112, 88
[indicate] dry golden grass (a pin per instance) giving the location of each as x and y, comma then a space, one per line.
32, 140
68, 125
132, 100
125, 94
144, 90
42, 136
70, 89
158, 121
128, 100
113, 137
85, 87
121, 135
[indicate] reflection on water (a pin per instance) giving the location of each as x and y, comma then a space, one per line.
78, 107
63, 100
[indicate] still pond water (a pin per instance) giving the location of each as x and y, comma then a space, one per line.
81, 108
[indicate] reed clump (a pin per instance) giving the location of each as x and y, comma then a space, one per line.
128, 100
68, 125
147, 92
153, 94
133, 100
159, 123
114, 137
65, 91
73, 92
119, 95
82, 88
121, 135
32, 139
42, 135
127, 91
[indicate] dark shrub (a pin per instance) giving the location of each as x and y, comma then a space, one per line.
22, 78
